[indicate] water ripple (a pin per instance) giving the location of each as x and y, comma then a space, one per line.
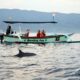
54, 62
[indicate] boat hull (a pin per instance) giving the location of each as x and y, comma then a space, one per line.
35, 40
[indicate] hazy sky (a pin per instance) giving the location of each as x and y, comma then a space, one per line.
67, 6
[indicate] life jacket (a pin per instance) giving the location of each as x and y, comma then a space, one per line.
38, 34
42, 34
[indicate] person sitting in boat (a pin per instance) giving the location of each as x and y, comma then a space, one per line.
43, 34
9, 30
38, 34
27, 33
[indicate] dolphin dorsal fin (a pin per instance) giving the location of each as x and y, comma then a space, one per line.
20, 51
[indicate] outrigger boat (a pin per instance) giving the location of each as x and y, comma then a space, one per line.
14, 38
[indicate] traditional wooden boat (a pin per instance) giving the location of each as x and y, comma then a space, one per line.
14, 38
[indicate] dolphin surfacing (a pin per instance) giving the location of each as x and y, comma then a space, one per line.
22, 54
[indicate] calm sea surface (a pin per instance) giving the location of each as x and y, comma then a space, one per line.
52, 62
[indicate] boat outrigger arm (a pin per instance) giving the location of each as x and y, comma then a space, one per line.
31, 22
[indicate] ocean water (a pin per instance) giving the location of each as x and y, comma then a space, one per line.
52, 62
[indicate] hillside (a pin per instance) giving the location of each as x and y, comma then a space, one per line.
67, 23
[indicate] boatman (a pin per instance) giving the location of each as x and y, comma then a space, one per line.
9, 30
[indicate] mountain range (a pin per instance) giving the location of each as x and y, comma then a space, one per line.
66, 23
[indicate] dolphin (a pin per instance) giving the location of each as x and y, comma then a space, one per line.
22, 54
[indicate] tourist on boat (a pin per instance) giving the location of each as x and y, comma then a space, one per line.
43, 34
9, 30
27, 33
38, 34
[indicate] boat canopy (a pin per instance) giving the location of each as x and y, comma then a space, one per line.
31, 22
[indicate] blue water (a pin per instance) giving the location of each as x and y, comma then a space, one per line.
52, 62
